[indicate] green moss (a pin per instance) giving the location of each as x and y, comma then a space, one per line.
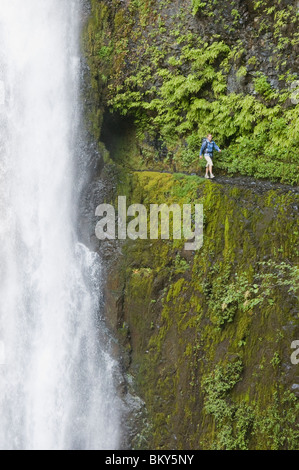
221, 318
207, 330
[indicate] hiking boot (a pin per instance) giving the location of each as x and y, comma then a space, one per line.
207, 176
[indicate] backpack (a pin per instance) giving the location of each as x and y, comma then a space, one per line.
204, 140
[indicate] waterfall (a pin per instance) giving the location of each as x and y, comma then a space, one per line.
56, 376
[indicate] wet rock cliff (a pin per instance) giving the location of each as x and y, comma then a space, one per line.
204, 337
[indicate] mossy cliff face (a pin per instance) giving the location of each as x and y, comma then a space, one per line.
164, 73
207, 335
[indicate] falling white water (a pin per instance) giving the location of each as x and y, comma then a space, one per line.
56, 388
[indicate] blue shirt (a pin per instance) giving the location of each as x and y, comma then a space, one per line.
209, 148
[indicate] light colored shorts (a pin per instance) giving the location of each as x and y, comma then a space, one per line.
209, 160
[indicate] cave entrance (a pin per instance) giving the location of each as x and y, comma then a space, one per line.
119, 136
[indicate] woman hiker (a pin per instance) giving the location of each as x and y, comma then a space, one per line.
207, 150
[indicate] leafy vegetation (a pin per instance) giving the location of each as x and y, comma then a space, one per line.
174, 84
206, 336
236, 422
226, 295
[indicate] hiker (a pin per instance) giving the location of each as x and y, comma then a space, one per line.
207, 150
